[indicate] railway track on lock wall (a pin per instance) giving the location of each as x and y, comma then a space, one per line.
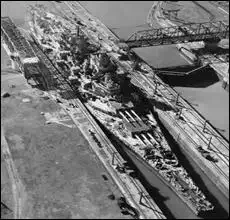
187, 135
200, 134
194, 114
175, 122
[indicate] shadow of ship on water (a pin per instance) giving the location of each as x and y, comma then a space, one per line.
198, 79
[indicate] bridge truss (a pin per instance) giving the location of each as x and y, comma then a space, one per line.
14, 39
20, 51
208, 31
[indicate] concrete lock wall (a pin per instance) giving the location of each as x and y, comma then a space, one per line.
212, 182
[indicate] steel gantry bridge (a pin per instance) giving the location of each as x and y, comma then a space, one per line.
208, 31
20, 51
14, 40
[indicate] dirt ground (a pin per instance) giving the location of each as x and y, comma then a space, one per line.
6, 192
196, 11
62, 177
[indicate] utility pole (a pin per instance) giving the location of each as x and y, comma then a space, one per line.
209, 143
177, 98
205, 122
113, 158
141, 196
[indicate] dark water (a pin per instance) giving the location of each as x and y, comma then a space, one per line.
212, 102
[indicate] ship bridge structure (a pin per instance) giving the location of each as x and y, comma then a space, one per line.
208, 31
20, 51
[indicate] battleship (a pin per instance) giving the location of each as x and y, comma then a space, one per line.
119, 106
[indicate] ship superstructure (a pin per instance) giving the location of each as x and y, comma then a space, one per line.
113, 100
